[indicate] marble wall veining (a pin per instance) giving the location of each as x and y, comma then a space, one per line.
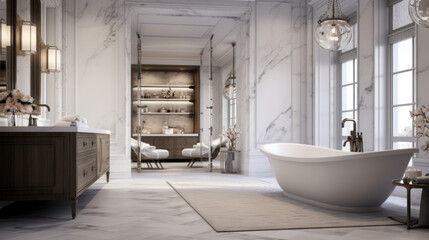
366, 89
95, 55
274, 68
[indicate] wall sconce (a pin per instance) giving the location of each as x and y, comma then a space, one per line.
5, 35
51, 59
28, 37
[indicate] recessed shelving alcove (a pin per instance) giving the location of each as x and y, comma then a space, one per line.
169, 94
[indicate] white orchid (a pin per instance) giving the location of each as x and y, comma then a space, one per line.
421, 122
425, 147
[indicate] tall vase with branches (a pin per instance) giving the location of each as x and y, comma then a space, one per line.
421, 121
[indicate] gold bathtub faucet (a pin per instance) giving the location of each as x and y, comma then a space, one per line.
355, 139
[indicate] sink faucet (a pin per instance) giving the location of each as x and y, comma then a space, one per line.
355, 139
33, 121
44, 105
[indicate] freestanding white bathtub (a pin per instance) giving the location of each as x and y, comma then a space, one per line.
335, 179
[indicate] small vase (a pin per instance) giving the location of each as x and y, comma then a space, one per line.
11, 119
19, 119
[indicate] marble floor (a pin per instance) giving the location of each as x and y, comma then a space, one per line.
145, 207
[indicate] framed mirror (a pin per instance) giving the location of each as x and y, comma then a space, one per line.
35, 61
8, 53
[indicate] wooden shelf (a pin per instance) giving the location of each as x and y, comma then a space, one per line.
168, 113
164, 86
163, 100
164, 77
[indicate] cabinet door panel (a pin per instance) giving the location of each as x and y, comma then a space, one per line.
35, 163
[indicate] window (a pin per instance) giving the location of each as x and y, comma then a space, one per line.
232, 112
401, 77
348, 86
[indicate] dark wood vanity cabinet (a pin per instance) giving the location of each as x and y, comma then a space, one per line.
51, 165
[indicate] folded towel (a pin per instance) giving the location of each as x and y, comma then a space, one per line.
62, 123
75, 118
421, 180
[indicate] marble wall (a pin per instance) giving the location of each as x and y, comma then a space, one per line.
366, 83
273, 102
96, 66
422, 38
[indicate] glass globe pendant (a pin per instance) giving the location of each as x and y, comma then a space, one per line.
419, 12
333, 31
230, 90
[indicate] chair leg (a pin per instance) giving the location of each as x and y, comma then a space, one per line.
192, 164
159, 162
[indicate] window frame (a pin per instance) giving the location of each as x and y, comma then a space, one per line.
396, 36
342, 57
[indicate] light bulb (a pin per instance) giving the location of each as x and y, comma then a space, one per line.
423, 9
335, 34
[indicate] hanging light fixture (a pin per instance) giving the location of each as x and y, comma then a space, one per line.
333, 31
230, 90
419, 12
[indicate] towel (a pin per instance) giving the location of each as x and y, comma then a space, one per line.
62, 123
201, 148
421, 180
75, 118
145, 147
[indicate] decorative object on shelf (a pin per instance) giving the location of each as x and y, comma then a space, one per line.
419, 12
15, 103
168, 93
230, 90
232, 135
412, 173
421, 121
333, 31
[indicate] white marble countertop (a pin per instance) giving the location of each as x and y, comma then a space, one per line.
168, 135
54, 129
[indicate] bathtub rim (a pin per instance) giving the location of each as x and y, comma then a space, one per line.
344, 157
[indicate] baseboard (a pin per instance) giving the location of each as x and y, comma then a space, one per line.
120, 166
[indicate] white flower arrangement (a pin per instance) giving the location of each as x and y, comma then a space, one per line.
15, 101
232, 135
168, 93
421, 121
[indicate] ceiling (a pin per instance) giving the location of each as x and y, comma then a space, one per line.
174, 33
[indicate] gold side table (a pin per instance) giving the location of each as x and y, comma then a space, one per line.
408, 186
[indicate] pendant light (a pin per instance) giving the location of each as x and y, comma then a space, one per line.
230, 90
333, 31
419, 12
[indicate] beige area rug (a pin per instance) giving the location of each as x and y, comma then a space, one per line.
255, 205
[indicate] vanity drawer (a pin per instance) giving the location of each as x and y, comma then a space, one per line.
86, 174
86, 143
